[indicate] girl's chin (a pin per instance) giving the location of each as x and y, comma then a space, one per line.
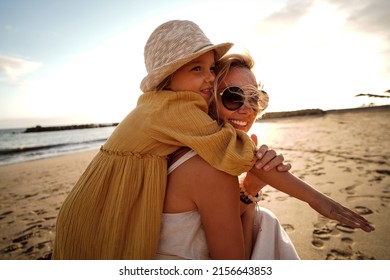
206, 97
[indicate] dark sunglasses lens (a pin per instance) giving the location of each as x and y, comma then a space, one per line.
233, 98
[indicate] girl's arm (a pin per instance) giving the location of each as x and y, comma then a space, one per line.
288, 183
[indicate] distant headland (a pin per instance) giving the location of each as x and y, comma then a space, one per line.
288, 114
39, 128
318, 112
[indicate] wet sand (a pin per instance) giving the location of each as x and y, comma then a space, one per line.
345, 155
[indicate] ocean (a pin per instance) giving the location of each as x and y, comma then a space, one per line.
17, 146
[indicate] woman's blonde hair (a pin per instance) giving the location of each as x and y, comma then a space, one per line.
222, 68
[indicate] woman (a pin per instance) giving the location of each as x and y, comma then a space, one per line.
200, 219
187, 209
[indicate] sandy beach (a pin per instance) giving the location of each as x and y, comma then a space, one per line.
345, 155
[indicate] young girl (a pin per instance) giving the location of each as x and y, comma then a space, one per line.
114, 210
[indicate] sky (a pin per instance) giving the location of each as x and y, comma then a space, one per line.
75, 62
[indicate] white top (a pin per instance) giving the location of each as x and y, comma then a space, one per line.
182, 235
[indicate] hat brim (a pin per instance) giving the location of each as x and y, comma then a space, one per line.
155, 77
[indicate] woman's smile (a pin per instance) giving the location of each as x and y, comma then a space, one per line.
238, 123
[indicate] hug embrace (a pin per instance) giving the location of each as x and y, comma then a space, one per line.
166, 183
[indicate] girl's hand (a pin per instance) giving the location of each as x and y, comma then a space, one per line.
268, 159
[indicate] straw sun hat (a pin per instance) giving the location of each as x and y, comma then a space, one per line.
172, 45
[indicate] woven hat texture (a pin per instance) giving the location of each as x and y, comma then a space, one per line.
172, 45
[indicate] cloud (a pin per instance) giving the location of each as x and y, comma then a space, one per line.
291, 13
12, 69
370, 17
323, 52
367, 15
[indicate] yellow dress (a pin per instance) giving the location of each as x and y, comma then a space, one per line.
114, 211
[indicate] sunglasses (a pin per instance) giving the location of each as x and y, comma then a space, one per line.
234, 97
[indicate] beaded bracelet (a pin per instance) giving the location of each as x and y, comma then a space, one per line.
248, 198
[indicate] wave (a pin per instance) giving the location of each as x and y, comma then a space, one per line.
19, 150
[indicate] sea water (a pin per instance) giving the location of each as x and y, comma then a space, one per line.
17, 146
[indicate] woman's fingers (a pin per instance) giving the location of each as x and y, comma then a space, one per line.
353, 219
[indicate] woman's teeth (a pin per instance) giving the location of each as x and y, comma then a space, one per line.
239, 123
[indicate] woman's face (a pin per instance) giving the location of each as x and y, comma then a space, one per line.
197, 76
243, 117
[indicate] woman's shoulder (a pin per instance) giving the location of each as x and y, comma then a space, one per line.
203, 177
186, 159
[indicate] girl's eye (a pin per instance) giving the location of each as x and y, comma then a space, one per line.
212, 69
196, 68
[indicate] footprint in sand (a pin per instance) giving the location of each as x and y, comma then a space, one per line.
40, 211
317, 243
376, 179
9, 249
322, 233
346, 169
384, 172
345, 228
348, 254
338, 254
5, 214
29, 195
347, 241
325, 230
385, 199
348, 190
360, 168
362, 210
288, 227
359, 197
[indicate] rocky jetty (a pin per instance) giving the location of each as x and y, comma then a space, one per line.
39, 128
298, 113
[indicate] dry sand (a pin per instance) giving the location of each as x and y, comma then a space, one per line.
345, 155
31, 195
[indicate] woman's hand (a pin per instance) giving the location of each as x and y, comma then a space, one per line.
334, 210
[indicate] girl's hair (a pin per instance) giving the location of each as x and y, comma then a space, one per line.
222, 68
163, 85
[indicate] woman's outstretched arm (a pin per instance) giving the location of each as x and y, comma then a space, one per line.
292, 185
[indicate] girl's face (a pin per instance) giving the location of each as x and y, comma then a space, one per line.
243, 117
197, 76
